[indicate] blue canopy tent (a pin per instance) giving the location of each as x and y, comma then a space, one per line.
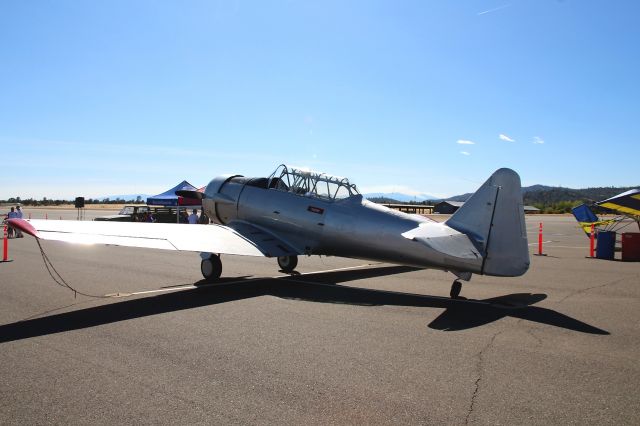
170, 199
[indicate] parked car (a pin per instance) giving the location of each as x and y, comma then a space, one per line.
127, 214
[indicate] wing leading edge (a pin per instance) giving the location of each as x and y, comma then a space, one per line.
166, 236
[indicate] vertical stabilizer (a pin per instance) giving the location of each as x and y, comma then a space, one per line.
494, 220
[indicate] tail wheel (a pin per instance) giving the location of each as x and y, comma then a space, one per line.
211, 268
455, 289
288, 263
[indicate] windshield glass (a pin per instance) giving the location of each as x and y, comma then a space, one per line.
311, 184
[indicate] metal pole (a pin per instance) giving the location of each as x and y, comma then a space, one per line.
592, 240
5, 254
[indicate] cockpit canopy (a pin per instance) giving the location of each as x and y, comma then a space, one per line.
311, 184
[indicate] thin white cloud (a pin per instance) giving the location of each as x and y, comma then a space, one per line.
506, 138
464, 153
464, 142
494, 9
538, 140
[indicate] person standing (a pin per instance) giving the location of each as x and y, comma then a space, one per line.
19, 216
193, 217
184, 216
204, 219
11, 215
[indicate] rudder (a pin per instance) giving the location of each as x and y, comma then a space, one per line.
493, 218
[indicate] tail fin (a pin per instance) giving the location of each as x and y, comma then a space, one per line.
493, 218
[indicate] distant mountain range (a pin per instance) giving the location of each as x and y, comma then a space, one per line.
534, 194
398, 197
551, 195
525, 190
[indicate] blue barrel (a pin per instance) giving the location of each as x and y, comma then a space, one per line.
606, 247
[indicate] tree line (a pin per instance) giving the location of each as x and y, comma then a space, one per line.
58, 202
562, 200
546, 199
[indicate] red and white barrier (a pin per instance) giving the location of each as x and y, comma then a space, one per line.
540, 253
540, 240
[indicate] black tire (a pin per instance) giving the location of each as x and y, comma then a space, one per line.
456, 287
211, 268
288, 263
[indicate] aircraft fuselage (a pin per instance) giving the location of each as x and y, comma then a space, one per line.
349, 227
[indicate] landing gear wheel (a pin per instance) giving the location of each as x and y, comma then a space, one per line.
455, 289
288, 263
211, 268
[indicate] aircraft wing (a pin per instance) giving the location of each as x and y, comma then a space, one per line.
167, 236
270, 244
627, 203
586, 218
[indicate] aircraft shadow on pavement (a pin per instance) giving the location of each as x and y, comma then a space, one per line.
459, 314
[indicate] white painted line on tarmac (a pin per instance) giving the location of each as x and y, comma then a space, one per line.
191, 286
550, 244
571, 247
544, 242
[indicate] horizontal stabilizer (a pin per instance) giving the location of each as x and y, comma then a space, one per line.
444, 240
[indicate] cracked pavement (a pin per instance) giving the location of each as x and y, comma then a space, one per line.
375, 345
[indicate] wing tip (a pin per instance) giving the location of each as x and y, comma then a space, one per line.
24, 226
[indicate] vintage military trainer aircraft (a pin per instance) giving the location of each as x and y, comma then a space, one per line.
299, 212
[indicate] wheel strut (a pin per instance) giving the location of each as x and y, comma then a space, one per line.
456, 287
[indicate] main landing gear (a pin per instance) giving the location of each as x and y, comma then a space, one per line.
287, 263
455, 289
211, 267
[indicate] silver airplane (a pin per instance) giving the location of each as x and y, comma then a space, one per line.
297, 212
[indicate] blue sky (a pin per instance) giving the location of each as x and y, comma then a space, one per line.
125, 97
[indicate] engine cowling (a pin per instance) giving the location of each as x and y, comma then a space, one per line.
221, 201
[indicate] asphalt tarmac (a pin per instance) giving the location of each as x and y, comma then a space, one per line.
344, 342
